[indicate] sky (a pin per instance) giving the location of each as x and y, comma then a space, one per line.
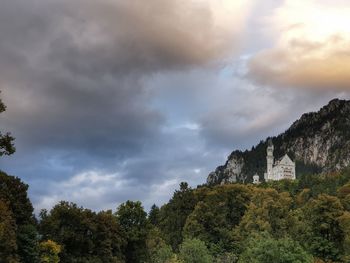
116, 100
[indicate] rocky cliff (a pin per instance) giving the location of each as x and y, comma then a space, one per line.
318, 142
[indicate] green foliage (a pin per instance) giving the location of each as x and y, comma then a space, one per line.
343, 194
268, 211
49, 251
157, 248
285, 221
83, 234
154, 215
326, 236
8, 245
174, 214
27, 240
14, 192
194, 251
344, 223
72, 227
213, 218
164, 254
265, 249
290, 186
325, 183
133, 222
109, 241
226, 258
6, 140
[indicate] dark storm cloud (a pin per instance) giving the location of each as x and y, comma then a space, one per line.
72, 70
72, 74
51, 106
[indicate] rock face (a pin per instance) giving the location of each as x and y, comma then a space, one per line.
231, 172
318, 142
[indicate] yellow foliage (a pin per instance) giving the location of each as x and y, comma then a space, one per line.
49, 251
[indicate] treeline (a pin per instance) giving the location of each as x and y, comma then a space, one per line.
307, 220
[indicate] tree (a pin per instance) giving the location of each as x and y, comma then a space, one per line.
163, 254
264, 249
213, 218
158, 250
49, 251
108, 241
133, 222
14, 192
344, 196
72, 227
6, 140
344, 223
194, 251
174, 214
153, 215
226, 258
84, 235
27, 240
268, 211
326, 237
8, 245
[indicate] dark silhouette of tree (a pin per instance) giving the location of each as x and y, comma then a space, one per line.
133, 221
14, 192
84, 235
153, 215
174, 215
6, 140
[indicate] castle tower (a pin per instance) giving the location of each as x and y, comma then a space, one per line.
270, 160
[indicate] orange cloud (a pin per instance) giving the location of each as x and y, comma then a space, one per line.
312, 47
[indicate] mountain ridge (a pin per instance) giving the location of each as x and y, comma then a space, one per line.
318, 142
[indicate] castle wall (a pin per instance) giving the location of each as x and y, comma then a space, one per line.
283, 169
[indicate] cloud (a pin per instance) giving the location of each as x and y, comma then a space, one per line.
73, 72
112, 100
150, 176
118, 37
311, 49
99, 191
228, 111
73, 75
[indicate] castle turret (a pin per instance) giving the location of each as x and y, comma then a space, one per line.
256, 179
270, 160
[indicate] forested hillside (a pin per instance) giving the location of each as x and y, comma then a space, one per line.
318, 142
307, 220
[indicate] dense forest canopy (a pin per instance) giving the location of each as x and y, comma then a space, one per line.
307, 220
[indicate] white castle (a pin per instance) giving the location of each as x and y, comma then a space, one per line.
283, 168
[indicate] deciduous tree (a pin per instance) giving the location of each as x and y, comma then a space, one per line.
174, 214
194, 251
49, 251
8, 245
133, 222
265, 249
6, 140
